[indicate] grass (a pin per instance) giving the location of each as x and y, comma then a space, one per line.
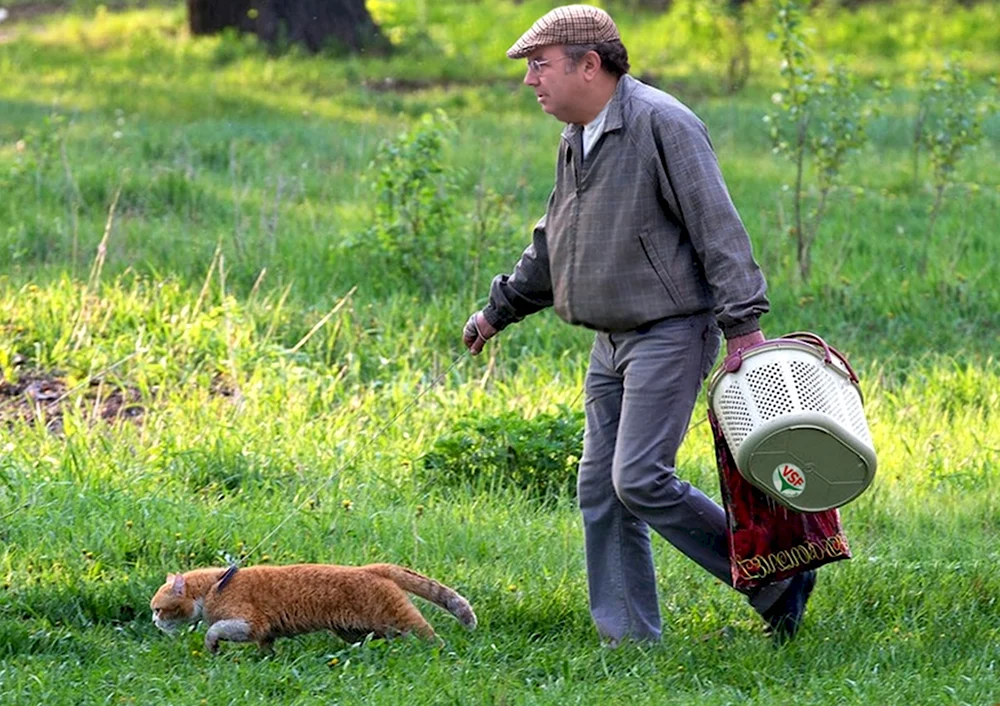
227, 188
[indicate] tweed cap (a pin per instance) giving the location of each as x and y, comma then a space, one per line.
570, 24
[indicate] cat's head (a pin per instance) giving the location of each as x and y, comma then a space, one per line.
172, 609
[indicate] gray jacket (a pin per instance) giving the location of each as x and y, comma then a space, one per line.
641, 230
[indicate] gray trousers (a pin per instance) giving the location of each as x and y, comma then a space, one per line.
641, 388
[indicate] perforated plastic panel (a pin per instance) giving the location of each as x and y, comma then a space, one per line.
814, 387
854, 414
734, 416
770, 394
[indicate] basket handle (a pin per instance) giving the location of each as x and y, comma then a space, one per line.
734, 360
829, 350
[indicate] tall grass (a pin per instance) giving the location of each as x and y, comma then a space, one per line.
290, 386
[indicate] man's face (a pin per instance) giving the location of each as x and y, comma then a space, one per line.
557, 91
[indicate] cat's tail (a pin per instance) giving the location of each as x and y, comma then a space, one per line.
428, 588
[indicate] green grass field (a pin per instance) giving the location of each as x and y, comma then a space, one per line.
226, 365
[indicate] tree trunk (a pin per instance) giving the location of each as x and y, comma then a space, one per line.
315, 24
213, 16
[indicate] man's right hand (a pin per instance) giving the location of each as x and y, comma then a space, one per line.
477, 332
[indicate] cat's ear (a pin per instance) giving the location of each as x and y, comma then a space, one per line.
176, 582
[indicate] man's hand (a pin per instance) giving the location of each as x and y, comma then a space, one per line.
477, 332
744, 341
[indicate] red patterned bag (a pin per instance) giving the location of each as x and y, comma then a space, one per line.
767, 541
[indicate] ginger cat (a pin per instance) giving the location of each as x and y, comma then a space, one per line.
261, 603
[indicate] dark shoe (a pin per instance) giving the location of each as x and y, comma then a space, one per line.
785, 617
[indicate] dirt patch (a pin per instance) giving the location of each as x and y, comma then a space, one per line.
28, 11
27, 15
389, 84
414, 85
32, 10
43, 397
24, 14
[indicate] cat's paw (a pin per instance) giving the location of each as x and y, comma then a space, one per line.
211, 644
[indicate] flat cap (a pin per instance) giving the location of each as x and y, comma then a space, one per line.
569, 24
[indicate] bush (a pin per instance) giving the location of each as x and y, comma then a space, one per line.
538, 456
413, 226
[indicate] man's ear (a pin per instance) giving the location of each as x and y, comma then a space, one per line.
591, 64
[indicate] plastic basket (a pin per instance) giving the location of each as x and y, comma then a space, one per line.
792, 414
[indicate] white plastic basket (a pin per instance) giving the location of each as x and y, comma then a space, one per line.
792, 413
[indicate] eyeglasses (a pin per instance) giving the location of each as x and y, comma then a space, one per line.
535, 66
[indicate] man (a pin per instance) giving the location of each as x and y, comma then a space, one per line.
640, 242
